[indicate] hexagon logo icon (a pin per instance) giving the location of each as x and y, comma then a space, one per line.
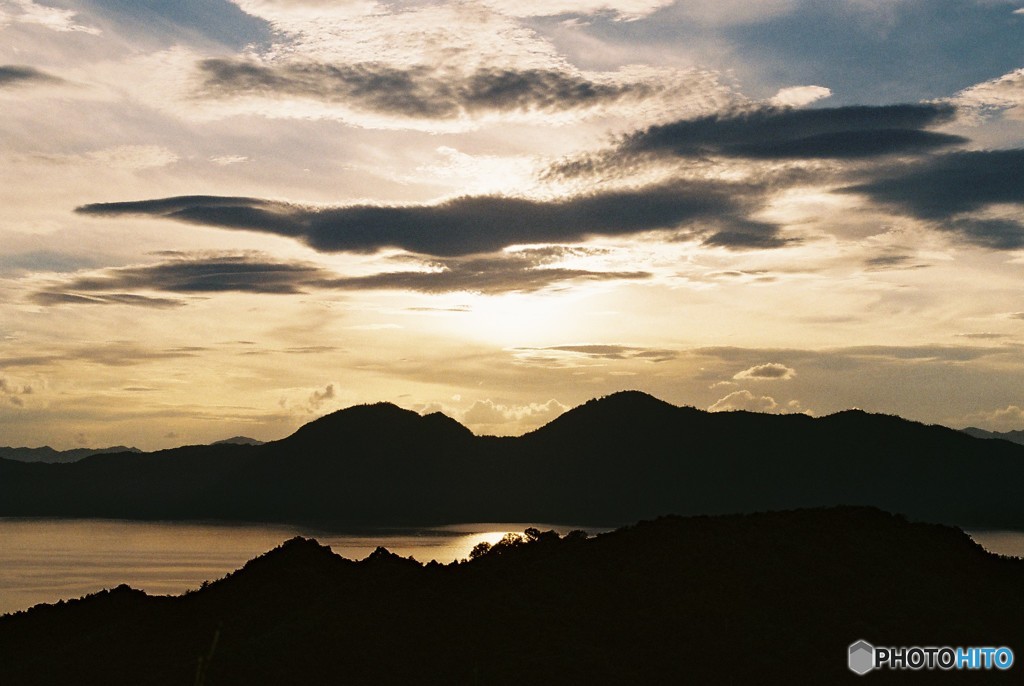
862, 657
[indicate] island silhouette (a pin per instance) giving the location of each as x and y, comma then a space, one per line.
608, 462
772, 598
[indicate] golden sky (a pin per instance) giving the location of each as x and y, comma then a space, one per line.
230, 217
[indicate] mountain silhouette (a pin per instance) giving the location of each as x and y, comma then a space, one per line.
771, 598
1015, 436
618, 459
238, 440
50, 455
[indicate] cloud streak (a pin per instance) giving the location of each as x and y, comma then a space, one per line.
947, 189
17, 75
521, 271
713, 211
772, 370
417, 91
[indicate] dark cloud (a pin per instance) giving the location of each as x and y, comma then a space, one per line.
13, 75
521, 271
780, 133
202, 275
945, 187
417, 91
771, 133
712, 210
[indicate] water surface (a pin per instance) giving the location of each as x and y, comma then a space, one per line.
46, 560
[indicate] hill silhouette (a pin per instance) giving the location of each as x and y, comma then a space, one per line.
1015, 436
50, 455
750, 599
618, 459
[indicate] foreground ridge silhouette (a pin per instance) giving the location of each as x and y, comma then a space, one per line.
614, 460
753, 599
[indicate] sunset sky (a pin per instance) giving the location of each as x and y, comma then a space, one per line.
230, 217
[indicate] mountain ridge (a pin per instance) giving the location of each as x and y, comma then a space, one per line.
615, 459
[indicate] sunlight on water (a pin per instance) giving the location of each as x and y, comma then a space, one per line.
45, 560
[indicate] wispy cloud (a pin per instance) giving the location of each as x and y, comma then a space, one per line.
521, 271
609, 352
15, 75
771, 370
418, 91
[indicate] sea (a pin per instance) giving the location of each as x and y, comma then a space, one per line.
47, 560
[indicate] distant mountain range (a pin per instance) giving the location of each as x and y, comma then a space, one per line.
618, 459
49, 455
52, 456
761, 599
1016, 436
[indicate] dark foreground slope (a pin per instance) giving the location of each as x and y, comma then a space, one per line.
755, 599
618, 459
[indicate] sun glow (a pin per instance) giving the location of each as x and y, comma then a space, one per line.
520, 318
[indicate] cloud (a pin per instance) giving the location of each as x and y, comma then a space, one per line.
772, 370
29, 12
486, 413
800, 96
15, 75
946, 189
319, 397
983, 335
892, 261
519, 271
113, 354
745, 401
51, 298
134, 157
712, 210
204, 274
11, 392
1004, 94
611, 352
1009, 418
783, 133
625, 10
417, 91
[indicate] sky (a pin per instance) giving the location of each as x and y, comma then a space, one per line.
229, 217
